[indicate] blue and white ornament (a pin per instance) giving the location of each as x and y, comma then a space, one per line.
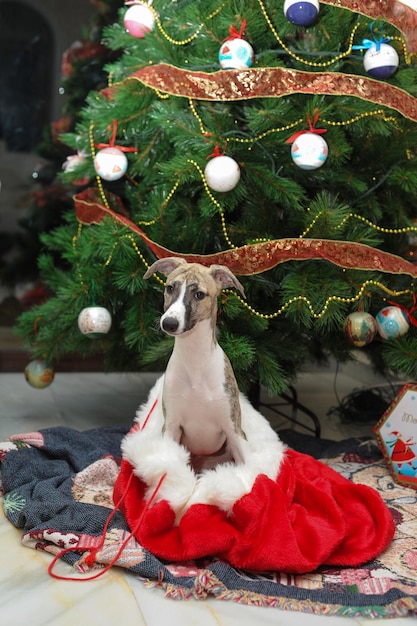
309, 151
236, 54
381, 61
391, 322
301, 13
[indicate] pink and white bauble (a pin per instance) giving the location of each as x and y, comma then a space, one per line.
139, 20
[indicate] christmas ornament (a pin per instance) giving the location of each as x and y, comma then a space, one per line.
39, 374
235, 52
71, 163
222, 173
391, 322
360, 328
381, 60
110, 163
139, 19
309, 151
301, 13
94, 321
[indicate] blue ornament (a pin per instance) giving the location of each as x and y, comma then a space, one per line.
301, 13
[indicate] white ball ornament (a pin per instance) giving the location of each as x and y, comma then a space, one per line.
391, 322
94, 321
236, 54
139, 20
222, 173
309, 151
381, 61
301, 13
110, 164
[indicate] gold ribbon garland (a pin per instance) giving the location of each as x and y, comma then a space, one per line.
258, 257
268, 82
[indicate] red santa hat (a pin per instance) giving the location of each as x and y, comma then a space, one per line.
279, 510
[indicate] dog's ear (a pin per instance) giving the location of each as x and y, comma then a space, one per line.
165, 266
226, 278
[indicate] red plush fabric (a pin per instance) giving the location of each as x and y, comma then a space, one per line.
309, 516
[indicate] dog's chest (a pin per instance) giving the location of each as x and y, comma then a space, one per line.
197, 406
196, 394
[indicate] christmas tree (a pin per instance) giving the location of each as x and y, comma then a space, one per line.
311, 112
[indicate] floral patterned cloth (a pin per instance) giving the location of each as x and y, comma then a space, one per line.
57, 486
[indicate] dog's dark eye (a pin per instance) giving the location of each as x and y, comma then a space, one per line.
169, 288
199, 295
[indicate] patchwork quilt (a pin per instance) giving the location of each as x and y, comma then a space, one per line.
57, 486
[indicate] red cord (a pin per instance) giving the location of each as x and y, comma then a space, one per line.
90, 558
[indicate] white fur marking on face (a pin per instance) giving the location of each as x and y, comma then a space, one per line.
177, 310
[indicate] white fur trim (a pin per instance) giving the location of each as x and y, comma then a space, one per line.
153, 454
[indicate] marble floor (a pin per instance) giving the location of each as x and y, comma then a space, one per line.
86, 400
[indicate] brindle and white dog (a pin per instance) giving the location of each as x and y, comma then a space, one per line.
200, 399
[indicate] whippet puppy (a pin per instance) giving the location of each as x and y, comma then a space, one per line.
200, 397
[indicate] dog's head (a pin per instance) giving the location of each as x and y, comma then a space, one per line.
191, 292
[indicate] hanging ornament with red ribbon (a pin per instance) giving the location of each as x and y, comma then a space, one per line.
110, 161
235, 52
222, 173
395, 320
309, 150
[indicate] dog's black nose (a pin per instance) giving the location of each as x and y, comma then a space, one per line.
170, 324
